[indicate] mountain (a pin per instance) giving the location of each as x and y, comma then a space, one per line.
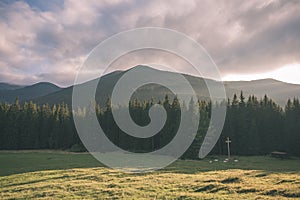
49, 93
7, 86
27, 92
146, 92
277, 90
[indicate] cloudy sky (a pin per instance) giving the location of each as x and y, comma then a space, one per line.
49, 40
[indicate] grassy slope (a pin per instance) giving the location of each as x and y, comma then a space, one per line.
81, 176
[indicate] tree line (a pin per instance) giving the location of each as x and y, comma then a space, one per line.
255, 126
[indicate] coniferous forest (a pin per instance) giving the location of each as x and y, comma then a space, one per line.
255, 126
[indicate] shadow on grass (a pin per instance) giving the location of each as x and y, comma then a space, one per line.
21, 162
15, 163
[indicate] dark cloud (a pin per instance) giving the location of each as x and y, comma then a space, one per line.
39, 41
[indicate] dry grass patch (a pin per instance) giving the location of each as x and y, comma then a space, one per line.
95, 183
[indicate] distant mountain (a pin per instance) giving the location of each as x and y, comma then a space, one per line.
277, 90
27, 92
49, 93
108, 81
7, 86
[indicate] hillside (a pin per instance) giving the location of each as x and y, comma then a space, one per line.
279, 91
42, 93
146, 92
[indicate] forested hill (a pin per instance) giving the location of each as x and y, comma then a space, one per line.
43, 93
280, 92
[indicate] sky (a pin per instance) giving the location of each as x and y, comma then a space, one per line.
49, 40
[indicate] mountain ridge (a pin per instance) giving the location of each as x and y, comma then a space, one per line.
279, 91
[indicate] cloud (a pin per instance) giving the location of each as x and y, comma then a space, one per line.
49, 41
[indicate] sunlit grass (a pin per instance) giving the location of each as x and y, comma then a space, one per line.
250, 178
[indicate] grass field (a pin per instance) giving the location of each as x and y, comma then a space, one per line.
53, 175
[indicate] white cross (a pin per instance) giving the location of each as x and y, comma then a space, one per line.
228, 146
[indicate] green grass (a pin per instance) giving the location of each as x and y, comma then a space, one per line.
53, 175
12, 162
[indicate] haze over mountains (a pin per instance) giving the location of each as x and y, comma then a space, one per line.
49, 93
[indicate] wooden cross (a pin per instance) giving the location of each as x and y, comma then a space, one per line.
228, 146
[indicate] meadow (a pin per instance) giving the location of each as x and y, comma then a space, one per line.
57, 174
